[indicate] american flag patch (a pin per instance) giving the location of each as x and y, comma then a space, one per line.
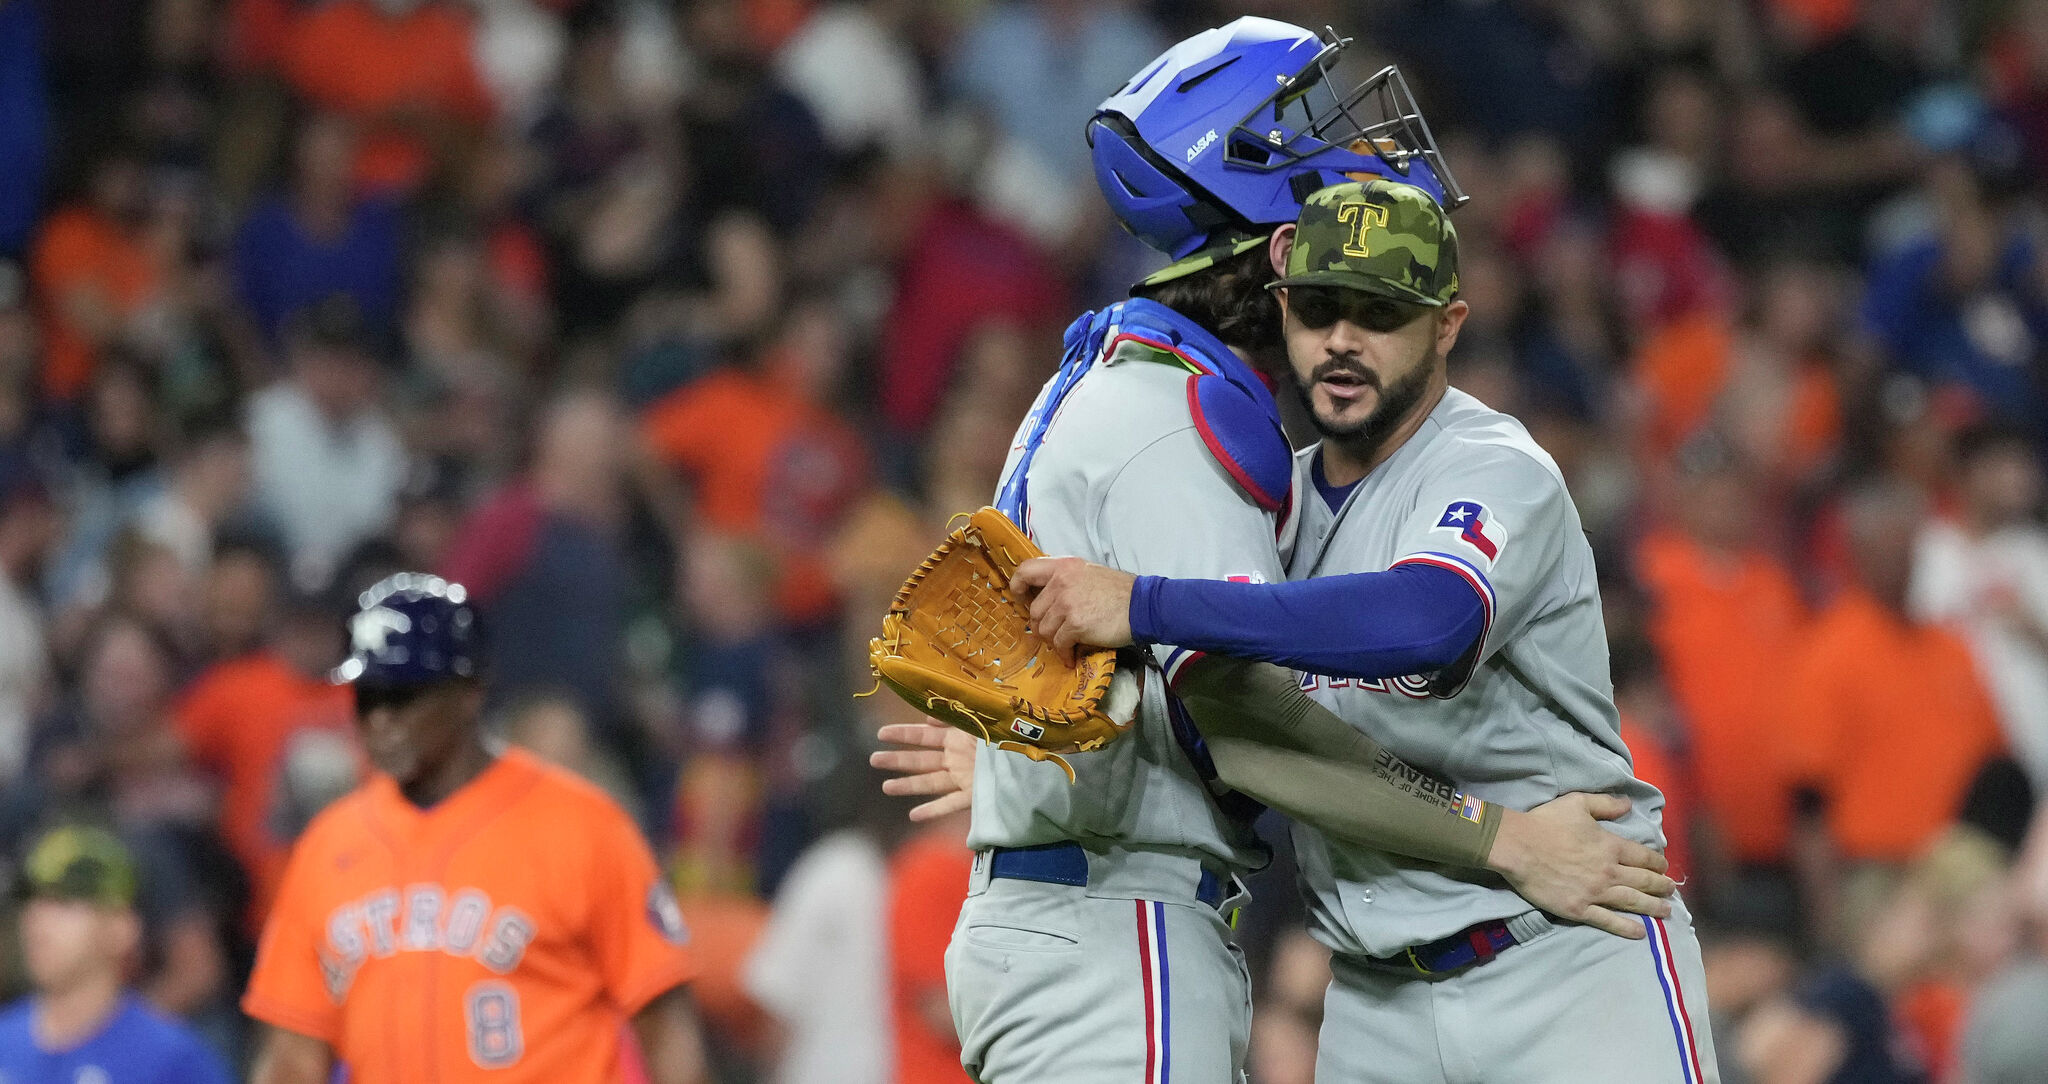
1470, 808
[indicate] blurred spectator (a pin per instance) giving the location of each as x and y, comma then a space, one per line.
851, 65
119, 473
327, 459
1665, 268
1657, 747
242, 717
239, 598
928, 881
1883, 719
735, 706
28, 528
95, 272
1769, 383
821, 967
2018, 60
724, 928
553, 728
518, 50
1569, 338
768, 453
209, 481
110, 754
1033, 68
404, 70
1986, 568
463, 327
1290, 1017
1851, 81
544, 563
25, 123
1964, 303
318, 238
610, 186
2005, 1040
80, 936
1781, 398
750, 144
1722, 611
1844, 1024
94, 51
961, 272
1504, 68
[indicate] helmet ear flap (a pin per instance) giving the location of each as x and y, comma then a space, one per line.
1305, 185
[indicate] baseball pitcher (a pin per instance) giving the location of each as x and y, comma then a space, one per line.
1446, 604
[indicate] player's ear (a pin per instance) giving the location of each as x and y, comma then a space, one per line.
1279, 246
1449, 320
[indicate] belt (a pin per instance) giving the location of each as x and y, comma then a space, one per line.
1473, 945
1067, 864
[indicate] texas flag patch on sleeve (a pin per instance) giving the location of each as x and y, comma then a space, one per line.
1474, 527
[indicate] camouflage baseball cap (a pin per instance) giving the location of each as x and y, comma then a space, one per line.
80, 863
1382, 237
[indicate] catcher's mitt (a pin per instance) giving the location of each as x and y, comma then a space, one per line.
957, 646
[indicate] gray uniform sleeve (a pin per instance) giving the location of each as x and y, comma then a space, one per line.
1173, 511
1501, 523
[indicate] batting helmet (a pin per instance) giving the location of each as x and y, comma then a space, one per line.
1224, 135
412, 629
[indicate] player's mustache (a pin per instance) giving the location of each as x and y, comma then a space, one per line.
1348, 367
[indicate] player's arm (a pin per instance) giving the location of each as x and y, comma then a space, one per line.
1268, 739
638, 941
287, 1057
1173, 510
1424, 618
671, 1042
1480, 550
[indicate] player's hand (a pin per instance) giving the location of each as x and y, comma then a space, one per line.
1076, 602
1560, 859
935, 762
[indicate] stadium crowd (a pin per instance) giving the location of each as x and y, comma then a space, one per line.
677, 329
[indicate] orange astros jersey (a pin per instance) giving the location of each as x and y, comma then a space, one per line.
507, 934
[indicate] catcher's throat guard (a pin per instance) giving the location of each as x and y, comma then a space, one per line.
957, 645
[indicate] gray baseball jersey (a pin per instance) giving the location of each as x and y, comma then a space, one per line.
1123, 477
1526, 717
1128, 976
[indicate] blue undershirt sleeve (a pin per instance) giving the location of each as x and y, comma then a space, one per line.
1410, 619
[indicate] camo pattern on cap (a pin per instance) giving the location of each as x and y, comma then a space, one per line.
77, 862
1382, 237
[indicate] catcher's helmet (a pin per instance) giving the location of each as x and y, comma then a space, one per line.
1225, 134
412, 629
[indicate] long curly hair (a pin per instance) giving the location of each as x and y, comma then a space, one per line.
1230, 299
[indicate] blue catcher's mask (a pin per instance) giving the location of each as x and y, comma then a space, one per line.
1220, 139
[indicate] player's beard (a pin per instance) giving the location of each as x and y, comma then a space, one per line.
1363, 437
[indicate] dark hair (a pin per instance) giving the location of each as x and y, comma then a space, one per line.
1230, 299
1989, 438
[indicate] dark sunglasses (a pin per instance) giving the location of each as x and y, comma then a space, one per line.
1317, 307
